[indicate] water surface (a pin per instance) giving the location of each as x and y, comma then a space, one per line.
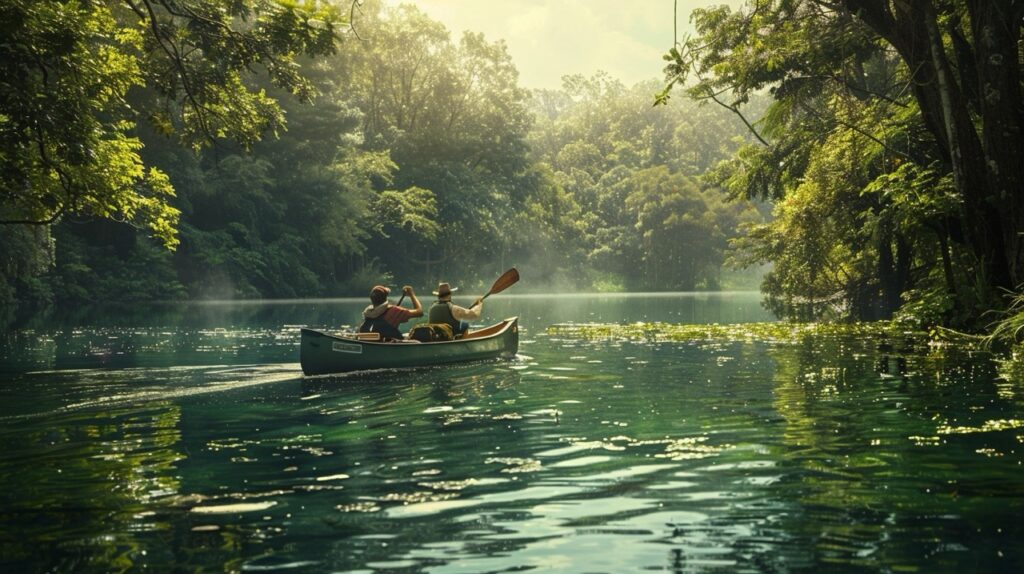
185, 437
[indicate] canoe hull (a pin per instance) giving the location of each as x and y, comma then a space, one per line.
322, 354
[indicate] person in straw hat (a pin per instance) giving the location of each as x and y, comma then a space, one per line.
383, 317
444, 311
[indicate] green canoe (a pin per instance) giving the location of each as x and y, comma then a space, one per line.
321, 353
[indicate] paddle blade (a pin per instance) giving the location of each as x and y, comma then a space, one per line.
506, 280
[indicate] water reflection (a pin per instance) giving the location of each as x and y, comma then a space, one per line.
80, 494
824, 452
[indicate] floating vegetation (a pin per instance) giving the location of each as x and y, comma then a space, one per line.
684, 448
988, 426
689, 449
414, 497
780, 332
450, 485
516, 465
1011, 374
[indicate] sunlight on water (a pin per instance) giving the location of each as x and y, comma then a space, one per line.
608, 446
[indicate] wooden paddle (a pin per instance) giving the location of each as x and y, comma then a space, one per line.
506, 280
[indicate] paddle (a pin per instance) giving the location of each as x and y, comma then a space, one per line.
400, 299
506, 280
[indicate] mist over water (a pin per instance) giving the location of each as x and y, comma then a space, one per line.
186, 438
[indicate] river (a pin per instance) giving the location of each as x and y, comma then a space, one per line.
184, 437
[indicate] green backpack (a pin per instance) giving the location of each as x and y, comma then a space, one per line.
430, 332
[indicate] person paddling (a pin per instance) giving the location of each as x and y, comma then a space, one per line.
444, 311
383, 317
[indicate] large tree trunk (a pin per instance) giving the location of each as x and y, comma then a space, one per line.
996, 27
966, 157
989, 222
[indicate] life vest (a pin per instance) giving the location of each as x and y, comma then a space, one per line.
441, 312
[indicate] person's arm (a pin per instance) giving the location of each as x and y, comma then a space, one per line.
417, 310
470, 314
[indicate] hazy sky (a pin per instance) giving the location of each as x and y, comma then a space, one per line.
551, 38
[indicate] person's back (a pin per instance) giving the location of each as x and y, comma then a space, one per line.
441, 312
384, 318
379, 324
445, 312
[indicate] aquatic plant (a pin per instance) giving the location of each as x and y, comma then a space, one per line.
1010, 326
772, 332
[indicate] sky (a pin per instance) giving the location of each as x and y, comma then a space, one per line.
552, 38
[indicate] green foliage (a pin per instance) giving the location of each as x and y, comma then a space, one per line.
413, 210
642, 217
408, 154
682, 245
867, 216
69, 70
608, 283
926, 308
916, 213
371, 272
123, 267
26, 254
818, 241
917, 196
65, 145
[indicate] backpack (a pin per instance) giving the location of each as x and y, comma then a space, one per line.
379, 325
430, 332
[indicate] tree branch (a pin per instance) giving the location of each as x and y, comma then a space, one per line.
176, 62
714, 97
857, 129
56, 215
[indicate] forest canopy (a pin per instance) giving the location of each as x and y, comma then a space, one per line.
79, 76
214, 149
865, 153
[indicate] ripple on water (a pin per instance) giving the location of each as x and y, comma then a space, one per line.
580, 461
234, 508
775, 452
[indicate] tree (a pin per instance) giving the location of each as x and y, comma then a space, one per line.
965, 67
454, 121
632, 171
68, 72
942, 80
682, 243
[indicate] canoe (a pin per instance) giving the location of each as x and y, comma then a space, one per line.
322, 353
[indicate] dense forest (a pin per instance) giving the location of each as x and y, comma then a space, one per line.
866, 152
400, 154
891, 151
